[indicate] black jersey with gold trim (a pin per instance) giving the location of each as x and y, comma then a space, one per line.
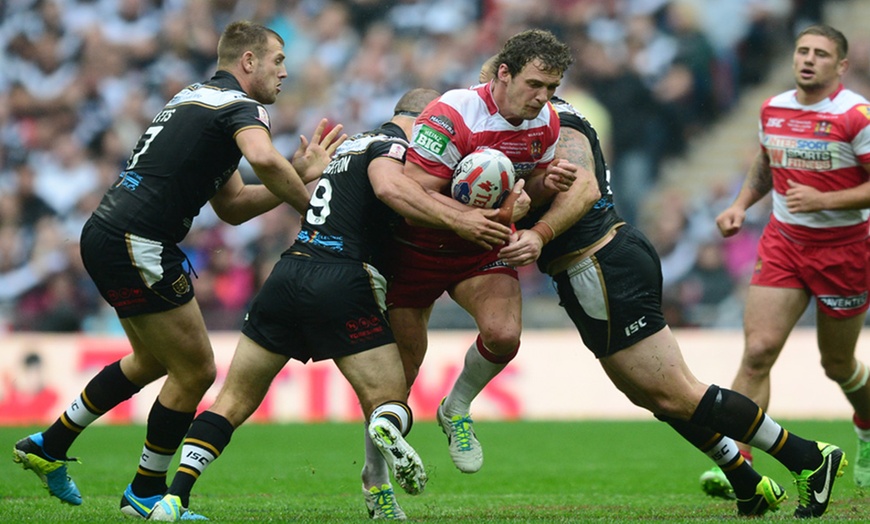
186, 154
345, 218
598, 220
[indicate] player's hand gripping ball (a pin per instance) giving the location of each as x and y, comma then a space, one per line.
483, 178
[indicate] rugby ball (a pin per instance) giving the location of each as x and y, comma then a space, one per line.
483, 178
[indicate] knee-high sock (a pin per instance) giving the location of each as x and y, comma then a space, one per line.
166, 429
723, 451
738, 417
106, 390
397, 412
479, 368
375, 471
208, 436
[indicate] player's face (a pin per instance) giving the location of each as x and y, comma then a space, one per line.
268, 73
816, 66
527, 92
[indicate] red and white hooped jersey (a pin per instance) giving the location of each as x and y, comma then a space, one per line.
824, 146
461, 121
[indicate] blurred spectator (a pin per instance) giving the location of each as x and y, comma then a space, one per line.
64, 173
707, 284
694, 55
22, 206
635, 121
857, 78
25, 266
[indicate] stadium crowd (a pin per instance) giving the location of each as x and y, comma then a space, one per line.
81, 79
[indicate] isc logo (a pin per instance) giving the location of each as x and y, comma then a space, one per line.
635, 326
193, 455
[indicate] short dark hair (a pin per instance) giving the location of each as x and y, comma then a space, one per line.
244, 35
831, 34
532, 44
415, 101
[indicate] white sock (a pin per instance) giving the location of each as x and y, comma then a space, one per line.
375, 471
397, 413
476, 373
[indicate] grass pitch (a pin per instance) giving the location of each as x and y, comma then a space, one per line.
546, 472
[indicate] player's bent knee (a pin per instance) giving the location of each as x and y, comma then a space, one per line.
758, 361
197, 380
500, 342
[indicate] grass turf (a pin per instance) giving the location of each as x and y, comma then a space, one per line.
553, 472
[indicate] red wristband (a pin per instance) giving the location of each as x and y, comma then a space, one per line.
544, 230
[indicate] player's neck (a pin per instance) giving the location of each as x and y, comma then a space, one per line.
808, 97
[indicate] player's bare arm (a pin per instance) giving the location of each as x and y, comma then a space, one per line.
272, 168
760, 179
312, 157
759, 182
567, 208
237, 202
801, 198
408, 198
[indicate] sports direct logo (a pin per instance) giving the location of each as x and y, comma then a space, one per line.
812, 159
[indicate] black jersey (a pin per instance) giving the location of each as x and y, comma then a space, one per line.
601, 218
345, 218
182, 159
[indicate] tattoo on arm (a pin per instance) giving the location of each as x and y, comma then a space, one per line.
760, 175
574, 147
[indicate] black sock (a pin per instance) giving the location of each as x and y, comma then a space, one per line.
208, 436
106, 390
166, 429
739, 472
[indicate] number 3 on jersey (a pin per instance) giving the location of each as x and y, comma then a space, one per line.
318, 206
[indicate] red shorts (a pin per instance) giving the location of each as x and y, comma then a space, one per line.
837, 276
419, 277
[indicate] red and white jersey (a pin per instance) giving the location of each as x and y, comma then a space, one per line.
824, 146
463, 120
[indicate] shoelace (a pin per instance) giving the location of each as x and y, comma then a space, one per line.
801, 482
386, 501
462, 430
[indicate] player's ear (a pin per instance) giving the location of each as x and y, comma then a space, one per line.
248, 60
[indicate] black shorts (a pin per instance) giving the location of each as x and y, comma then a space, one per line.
614, 297
134, 274
315, 309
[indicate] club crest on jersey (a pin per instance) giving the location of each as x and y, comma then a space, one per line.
536, 149
822, 128
864, 110
263, 116
181, 285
